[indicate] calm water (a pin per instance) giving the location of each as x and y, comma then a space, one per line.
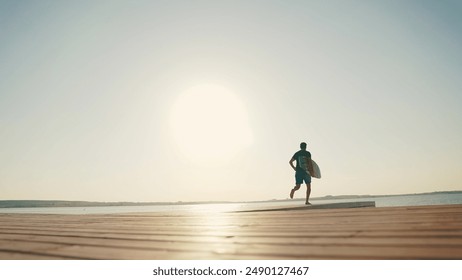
401, 200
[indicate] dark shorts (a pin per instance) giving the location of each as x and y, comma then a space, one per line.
301, 176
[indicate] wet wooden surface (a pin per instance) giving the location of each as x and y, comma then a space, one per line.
422, 232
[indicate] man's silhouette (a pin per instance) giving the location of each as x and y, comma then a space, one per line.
302, 171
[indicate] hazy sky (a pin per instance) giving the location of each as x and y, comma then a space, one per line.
101, 100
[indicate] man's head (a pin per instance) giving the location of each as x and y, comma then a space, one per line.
303, 146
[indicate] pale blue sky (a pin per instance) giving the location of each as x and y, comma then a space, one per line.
87, 90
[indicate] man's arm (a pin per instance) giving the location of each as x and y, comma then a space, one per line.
291, 162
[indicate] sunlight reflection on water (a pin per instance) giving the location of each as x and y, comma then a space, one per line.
401, 200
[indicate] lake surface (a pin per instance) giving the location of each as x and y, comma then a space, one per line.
388, 201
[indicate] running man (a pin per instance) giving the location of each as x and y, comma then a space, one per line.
302, 174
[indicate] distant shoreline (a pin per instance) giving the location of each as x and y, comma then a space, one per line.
69, 203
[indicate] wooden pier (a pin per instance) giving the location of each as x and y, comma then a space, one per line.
420, 232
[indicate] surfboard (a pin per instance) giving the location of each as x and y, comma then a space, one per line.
316, 171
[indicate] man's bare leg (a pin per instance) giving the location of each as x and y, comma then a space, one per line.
308, 192
294, 190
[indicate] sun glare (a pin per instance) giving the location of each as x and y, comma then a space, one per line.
210, 124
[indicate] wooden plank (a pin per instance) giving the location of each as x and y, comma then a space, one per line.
254, 234
199, 241
337, 205
30, 250
230, 220
54, 250
256, 227
241, 251
13, 255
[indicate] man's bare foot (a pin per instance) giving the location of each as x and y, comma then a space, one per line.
307, 203
292, 194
